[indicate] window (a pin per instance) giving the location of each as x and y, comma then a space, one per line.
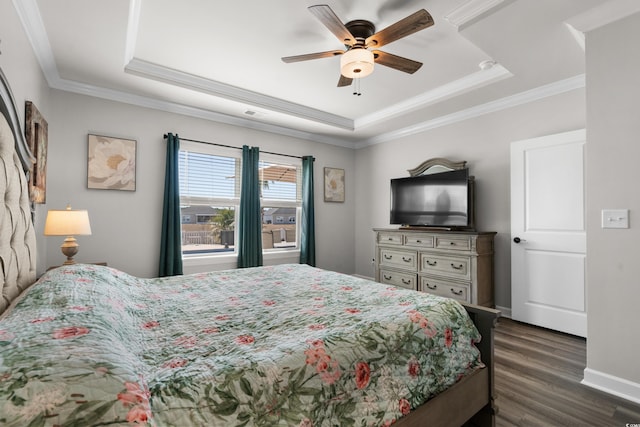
281, 202
210, 199
209, 194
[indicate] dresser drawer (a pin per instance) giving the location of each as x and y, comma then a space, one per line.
419, 240
454, 243
390, 238
450, 266
454, 264
406, 260
443, 288
402, 280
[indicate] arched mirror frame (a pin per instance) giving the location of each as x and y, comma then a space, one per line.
436, 165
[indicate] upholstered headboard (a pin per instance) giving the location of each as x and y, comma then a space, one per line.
17, 235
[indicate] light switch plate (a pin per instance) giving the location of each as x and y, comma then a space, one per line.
615, 218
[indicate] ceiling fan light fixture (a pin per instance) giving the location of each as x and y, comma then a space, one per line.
356, 63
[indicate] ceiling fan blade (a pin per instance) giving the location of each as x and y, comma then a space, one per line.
330, 20
404, 27
308, 56
396, 62
344, 81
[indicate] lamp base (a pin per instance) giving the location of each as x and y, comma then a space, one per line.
69, 248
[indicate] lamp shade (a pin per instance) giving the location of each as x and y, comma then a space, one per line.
356, 63
67, 223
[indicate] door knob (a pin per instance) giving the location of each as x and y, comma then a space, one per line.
518, 240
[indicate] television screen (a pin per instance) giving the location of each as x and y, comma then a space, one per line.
440, 199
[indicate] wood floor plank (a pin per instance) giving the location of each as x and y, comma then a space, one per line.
537, 380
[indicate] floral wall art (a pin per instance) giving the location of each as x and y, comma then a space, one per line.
333, 185
112, 163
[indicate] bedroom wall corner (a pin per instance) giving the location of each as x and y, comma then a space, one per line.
28, 83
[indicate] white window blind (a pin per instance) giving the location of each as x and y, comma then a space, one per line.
280, 183
208, 178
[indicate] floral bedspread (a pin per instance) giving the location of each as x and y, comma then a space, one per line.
288, 345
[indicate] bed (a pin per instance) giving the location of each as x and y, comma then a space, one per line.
281, 345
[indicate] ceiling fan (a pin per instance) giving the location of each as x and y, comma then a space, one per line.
361, 42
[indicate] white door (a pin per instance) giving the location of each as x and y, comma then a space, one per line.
548, 238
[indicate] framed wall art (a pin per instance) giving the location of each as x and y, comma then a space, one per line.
36, 132
333, 185
111, 163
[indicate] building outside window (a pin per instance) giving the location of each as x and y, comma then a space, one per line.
210, 199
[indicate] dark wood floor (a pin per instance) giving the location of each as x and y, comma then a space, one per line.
538, 374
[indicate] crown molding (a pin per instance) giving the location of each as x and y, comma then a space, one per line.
556, 88
598, 17
449, 90
186, 110
469, 11
132, 30
604, 14
179, 78
29, 15
577, 35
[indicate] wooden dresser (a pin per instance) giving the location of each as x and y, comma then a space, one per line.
454, 264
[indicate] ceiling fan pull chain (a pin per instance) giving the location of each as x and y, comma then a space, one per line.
356, 87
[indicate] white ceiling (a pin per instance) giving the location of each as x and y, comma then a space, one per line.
220, 60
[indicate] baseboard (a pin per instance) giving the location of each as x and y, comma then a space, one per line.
504, 311
363, 277
612, 385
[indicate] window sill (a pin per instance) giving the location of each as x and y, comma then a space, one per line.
202, 263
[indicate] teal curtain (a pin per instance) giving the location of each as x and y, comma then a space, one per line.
170, 240
250, 226
307, 227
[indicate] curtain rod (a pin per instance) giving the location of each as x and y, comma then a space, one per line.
231, 146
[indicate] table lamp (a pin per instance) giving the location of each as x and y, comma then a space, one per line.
68, 223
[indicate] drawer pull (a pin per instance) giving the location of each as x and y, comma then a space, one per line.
390, 239
457, 267
406, 281
387, 277
388, 256
432, 263
418, 241
453, 291
432, 287
452, 243
405, 259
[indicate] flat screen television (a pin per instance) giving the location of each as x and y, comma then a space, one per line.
443, 200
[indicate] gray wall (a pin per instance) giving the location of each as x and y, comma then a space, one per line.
613, 153
484, 142
126, 225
